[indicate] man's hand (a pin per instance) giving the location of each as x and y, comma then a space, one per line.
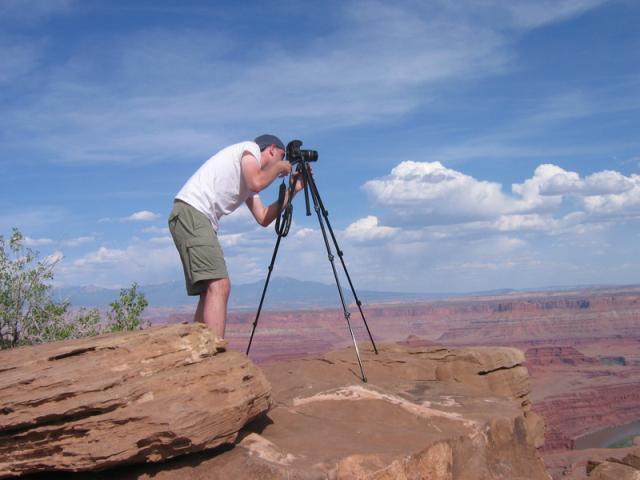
298, 182
285, 168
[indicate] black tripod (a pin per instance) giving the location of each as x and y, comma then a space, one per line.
282, 228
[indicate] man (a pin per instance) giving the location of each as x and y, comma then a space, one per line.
231, 177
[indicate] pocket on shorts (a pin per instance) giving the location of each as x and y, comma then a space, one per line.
204, 256
173, 218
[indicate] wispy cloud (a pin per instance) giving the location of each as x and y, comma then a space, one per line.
156, 230
520, 14
78, 241
162, 97
160, 94
37, 242
32, 10
527, 14
19, 57
33, 219
71, 242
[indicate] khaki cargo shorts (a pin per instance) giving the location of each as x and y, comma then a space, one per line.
198, 245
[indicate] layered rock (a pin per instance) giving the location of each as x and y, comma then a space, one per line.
626, 468
132, 397
571, 415
562, 318
426, 412
557, 355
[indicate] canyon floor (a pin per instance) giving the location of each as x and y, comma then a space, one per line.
582, 349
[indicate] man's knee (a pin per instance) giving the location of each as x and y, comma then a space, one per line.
220, 287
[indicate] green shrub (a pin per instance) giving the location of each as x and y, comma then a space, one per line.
126, 311
28, 314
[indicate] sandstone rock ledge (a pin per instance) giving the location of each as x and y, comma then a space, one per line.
427, 413
124, 398
626, 468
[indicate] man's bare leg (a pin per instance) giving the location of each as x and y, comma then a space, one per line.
212, 307
199, 315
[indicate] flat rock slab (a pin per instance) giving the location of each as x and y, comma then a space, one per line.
441, 414
132, 397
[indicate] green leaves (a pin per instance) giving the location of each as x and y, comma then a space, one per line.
25, 301
125, 312
28, 314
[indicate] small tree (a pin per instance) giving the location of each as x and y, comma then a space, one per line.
28, 314
25, 300
126, 311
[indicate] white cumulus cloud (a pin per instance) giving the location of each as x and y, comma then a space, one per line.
368, 228
142, 216
419, 194
625, 203
431, 193
553, 180
528, 196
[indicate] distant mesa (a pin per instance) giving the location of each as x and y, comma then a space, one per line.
556, 355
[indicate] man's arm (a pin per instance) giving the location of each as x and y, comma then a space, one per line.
256, 178
265, 215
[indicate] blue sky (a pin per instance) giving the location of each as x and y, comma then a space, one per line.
463, 145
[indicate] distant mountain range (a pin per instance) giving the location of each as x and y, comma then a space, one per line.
283, 293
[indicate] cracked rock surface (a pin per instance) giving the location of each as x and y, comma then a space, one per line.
426, 412
124, 398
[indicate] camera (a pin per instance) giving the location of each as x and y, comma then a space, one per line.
295, 154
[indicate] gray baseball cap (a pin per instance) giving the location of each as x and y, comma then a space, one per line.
265, 140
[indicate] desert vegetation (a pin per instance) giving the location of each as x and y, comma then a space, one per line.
30, 315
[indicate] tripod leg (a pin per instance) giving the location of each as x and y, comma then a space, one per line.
264, 291
347, 315
325, 214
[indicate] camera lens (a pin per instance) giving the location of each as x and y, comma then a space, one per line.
309, 155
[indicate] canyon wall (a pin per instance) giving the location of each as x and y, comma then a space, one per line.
582, 347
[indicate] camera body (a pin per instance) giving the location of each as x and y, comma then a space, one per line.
295, 154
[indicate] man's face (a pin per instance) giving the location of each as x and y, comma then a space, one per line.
277, 154
271, 155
